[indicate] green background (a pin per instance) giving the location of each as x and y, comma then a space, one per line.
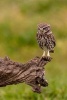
18, 27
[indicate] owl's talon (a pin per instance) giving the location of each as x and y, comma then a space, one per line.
47, 58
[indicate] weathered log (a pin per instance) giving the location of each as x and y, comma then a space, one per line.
32, 72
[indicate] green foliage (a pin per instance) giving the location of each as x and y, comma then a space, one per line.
18, 27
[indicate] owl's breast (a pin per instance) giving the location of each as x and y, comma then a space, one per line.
41, 41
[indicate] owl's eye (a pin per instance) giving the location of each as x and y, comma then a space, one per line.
46, 29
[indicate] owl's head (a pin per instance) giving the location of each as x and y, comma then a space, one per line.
44, 28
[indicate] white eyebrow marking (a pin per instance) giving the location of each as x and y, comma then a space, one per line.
41, 29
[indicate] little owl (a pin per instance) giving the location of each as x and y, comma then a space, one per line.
45, 39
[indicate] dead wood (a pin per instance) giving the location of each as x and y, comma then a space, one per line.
32, 72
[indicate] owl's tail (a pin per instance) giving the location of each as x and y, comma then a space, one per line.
51, 51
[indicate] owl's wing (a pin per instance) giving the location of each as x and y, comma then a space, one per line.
53, 40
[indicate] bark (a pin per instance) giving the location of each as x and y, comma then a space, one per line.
32, 72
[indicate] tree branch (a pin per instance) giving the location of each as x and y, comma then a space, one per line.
32, 72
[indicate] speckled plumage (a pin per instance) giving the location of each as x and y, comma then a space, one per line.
45, 37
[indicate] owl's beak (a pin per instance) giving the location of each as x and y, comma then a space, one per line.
44, 31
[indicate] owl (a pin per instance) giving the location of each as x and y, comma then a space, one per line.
45, 39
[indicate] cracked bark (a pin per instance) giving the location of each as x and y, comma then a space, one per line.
32, 72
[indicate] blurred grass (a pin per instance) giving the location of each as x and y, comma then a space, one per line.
18, 27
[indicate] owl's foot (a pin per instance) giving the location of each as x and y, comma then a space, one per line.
47, 58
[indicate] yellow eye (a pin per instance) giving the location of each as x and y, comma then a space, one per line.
46, 28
